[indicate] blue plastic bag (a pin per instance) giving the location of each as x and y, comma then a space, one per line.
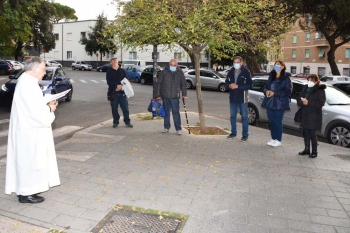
157, 108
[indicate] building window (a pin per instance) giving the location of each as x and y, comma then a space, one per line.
69, 55
296, 23
294, 39
307, 37
57, 36
82, 35
321, 71
308, 20
322, 52
347, 53
177, 56
294, 53
307, 53
69, 36
133, 55
293, 69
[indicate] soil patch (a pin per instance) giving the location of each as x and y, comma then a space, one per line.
208, 131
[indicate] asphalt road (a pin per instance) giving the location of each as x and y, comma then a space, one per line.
89, 105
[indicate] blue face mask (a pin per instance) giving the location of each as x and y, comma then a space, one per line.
172, 68
237, 66
277, 68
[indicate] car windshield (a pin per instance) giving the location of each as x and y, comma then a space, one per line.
218, 74
336, 97
48, 75
83, 62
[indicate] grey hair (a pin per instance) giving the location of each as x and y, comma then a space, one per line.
173, 60
32, 62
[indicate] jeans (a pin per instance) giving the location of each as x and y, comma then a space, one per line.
122, 100
243, 108
275, 123
172, 105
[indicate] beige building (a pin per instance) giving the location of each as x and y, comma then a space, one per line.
305, 52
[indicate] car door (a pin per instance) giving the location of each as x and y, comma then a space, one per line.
256, 97
59, 85
206, 78
288, 118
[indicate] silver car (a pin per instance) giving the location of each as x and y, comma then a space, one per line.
336, 111
209, 79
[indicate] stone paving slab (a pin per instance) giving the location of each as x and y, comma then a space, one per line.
223, 185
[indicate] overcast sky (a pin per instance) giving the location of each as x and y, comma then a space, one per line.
90, 9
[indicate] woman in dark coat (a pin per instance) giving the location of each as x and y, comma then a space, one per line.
277, 92
311, 101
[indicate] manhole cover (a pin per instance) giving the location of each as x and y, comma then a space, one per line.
125, 221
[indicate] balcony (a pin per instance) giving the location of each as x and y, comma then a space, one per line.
321, 42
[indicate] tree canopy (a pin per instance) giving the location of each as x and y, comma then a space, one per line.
99, 41
330, 17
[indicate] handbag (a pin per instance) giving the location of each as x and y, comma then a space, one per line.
298, 116
268, 103
110, 96
157, 108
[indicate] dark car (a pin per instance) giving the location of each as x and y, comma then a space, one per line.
5, 67
103, 68
54, 81
147, 75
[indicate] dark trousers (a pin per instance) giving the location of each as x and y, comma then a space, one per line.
172, 105
310, 134
275, 123
122, 100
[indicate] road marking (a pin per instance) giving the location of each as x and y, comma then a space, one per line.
4, 121
104, 81
56, 133
2, 78
83, 81
94, 81
72, 81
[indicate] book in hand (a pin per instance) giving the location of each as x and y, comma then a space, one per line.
50, 97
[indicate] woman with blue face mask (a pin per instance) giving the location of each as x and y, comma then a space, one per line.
277, 93
311, 100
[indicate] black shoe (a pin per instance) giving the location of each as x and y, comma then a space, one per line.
313, 155
244, 138
232, 135
33, 199
129, 125
115, 125
306, 151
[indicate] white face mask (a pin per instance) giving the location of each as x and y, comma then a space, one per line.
310, 84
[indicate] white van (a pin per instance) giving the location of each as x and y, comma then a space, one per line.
128, 62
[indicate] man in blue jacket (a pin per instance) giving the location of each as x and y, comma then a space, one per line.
114, 76
238, 82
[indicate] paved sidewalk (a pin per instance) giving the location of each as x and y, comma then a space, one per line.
223, 185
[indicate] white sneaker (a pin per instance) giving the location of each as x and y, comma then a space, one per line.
179, 132
276, 143
270, 142
165, 131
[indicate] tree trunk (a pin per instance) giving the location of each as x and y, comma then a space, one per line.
196, 56
331, 59
251, 62
18, 49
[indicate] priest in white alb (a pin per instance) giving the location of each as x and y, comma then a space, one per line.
31, 166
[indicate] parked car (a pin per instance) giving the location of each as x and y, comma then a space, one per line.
134, 73
302, 75
54, 81
327, 78
209, 79
103, 68
81, 65
5, 67
147, 75
336, 111
342, 85
53, 63
183, 68
17, 66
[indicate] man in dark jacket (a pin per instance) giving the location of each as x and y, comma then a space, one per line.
238, 82
170, 82
114, 76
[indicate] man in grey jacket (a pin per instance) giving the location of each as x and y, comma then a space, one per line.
170, 82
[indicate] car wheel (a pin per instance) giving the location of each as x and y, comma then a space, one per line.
69, 95
99, 70
73, 67
188, 84
143, 81
339, 134
253, 114
222, 87
3, 72
83, 68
